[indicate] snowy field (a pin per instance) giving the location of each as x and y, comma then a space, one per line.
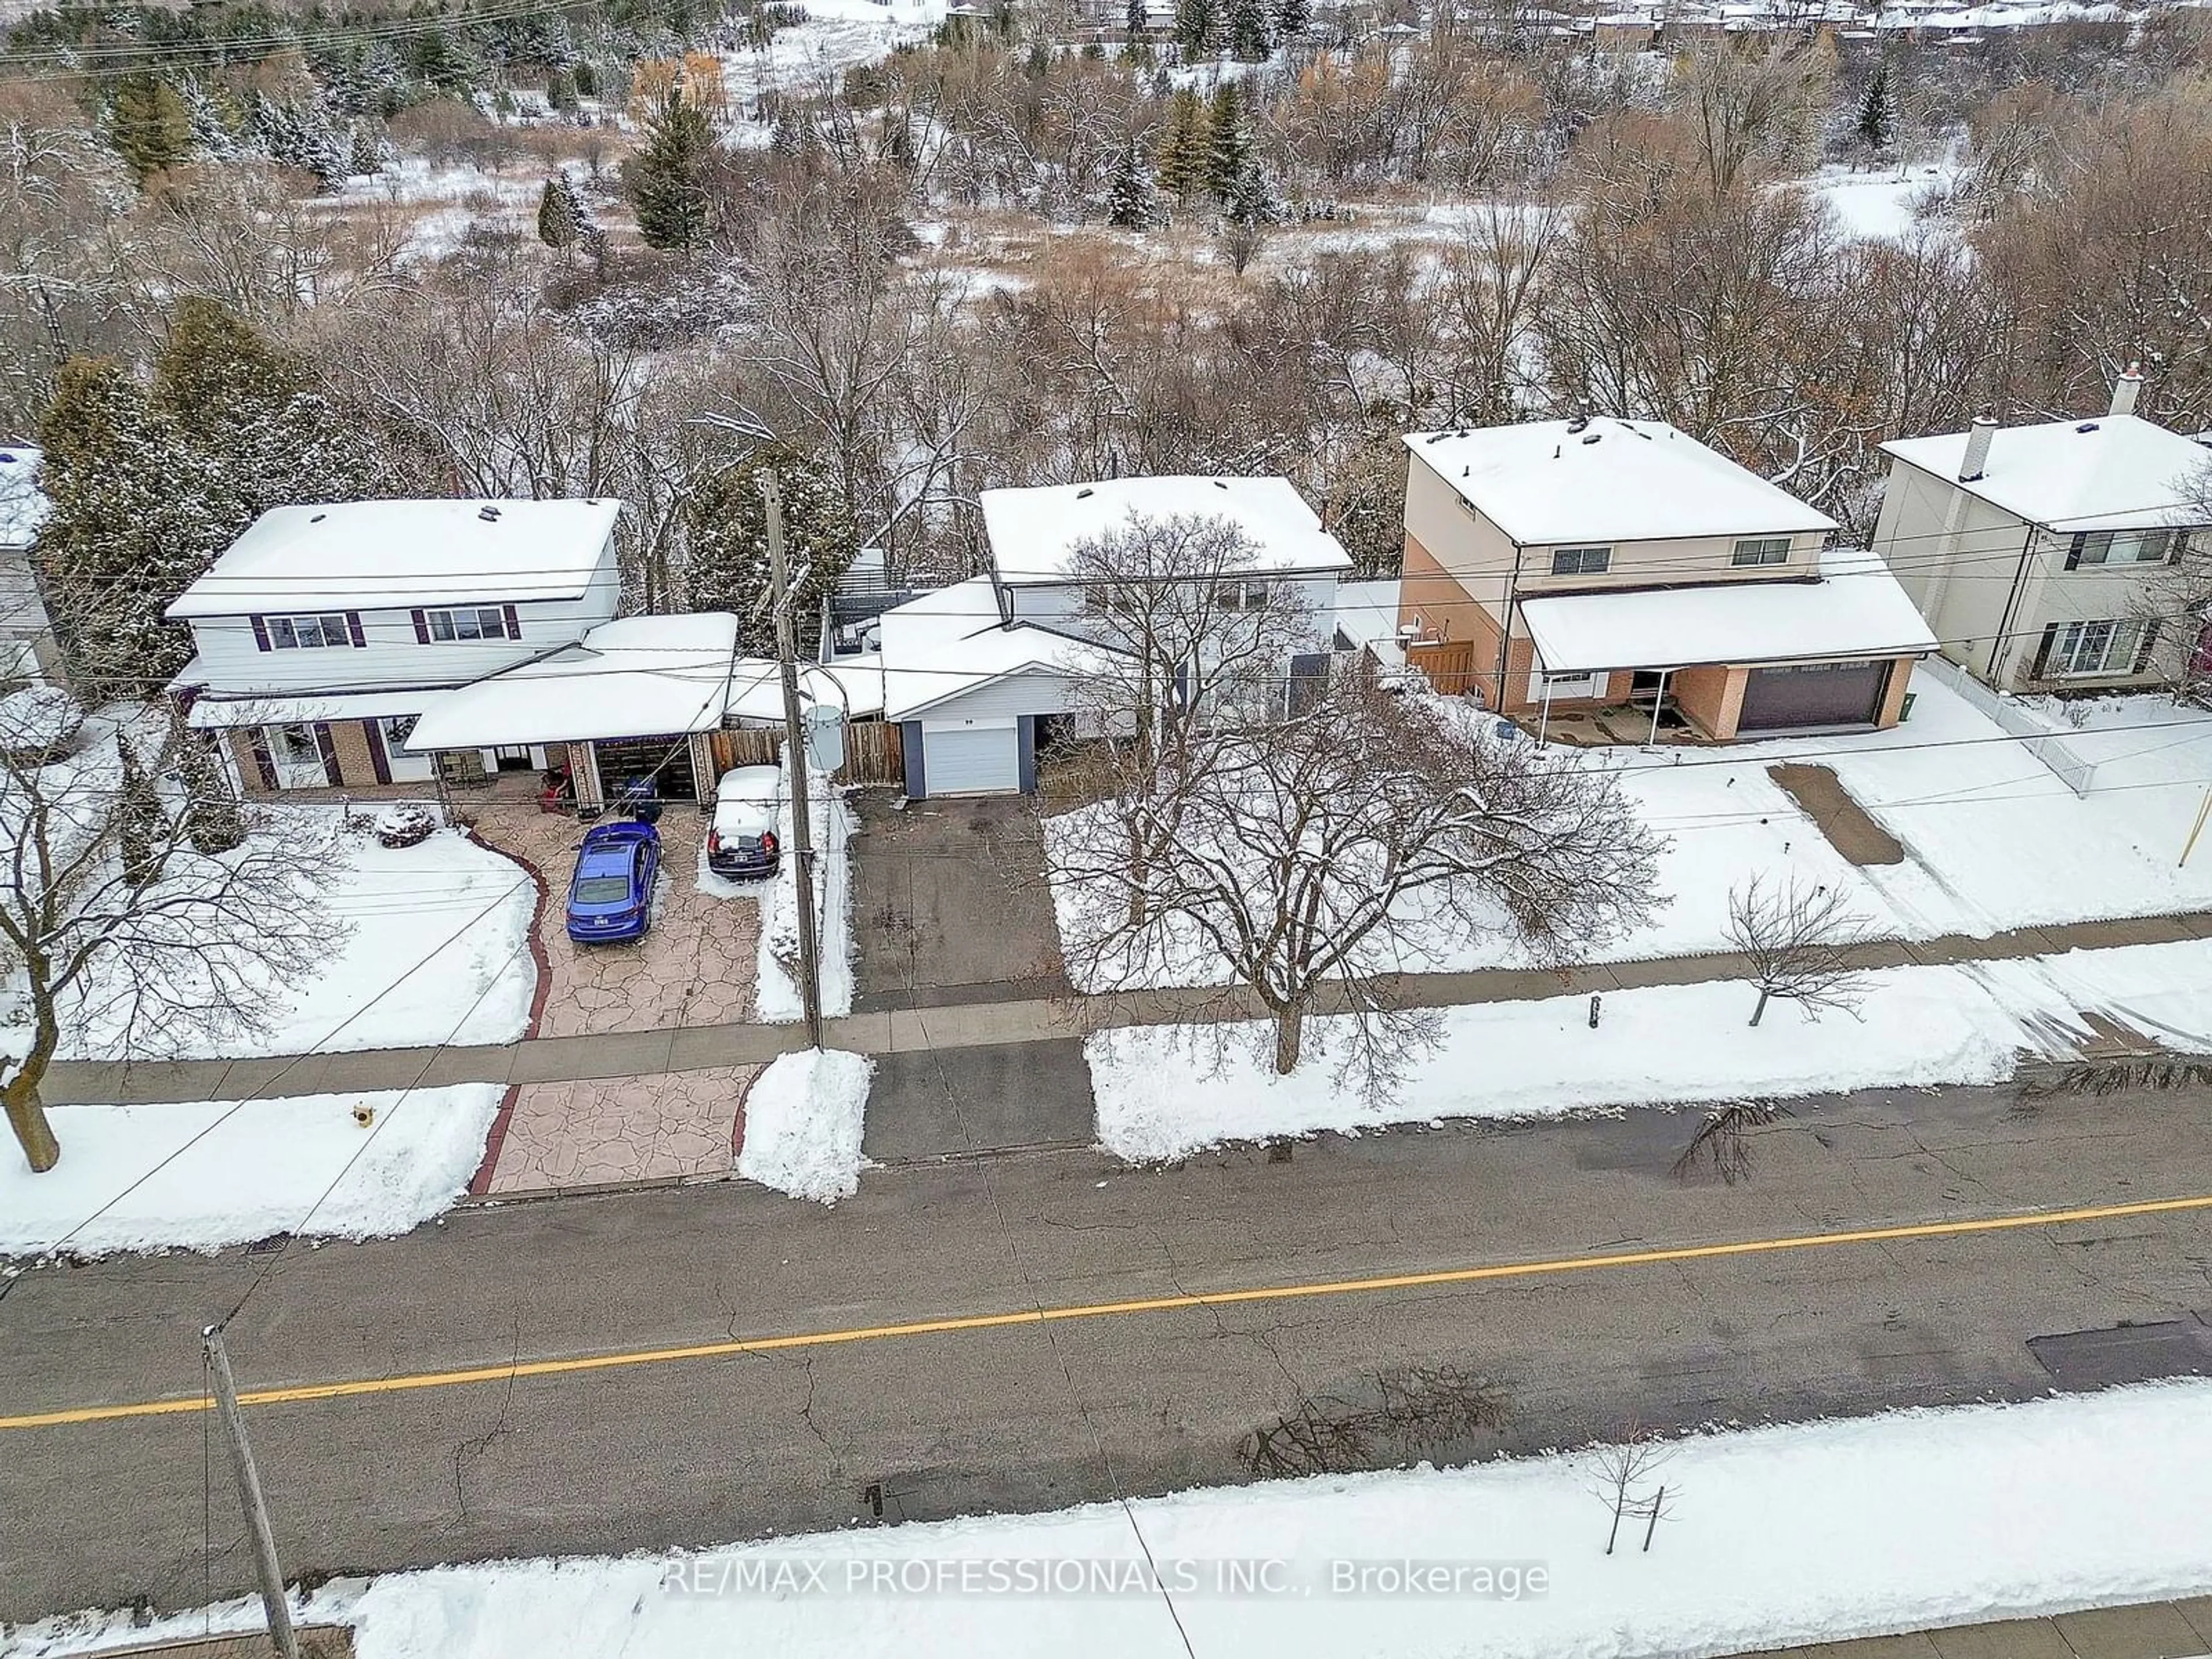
212, 1174
1993, 839
838, 35
1879, 206
804, 1117
1773, 1537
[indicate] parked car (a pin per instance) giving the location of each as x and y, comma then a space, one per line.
742, 840
611, 896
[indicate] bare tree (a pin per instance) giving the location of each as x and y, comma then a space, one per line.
1316, 855
128, 912
1625, 1484
1801, 945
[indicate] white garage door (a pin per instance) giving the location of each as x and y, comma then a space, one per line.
971, 760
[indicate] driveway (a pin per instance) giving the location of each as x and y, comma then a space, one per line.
950, 907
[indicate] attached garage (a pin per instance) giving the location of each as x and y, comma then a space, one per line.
1812, 694
665, 760
971, 757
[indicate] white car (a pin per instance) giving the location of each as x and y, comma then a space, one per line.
742, 840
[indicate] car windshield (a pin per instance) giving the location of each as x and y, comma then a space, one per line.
601, 890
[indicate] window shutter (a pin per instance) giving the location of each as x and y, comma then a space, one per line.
264, 765
514, 622
378, 762
353, 631
421, 629
2042, 651
2074, 549
260, 633
2143, 652
327, 746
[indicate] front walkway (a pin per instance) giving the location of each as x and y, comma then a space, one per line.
2154, 1629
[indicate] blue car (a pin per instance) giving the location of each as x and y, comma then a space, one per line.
610, 897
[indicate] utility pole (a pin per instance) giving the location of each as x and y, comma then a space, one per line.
249, 1492
794, 750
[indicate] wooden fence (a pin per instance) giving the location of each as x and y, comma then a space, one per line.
874, 752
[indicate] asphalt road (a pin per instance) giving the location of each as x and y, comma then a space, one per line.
1043, 1415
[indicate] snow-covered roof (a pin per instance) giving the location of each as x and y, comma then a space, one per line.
23, 504
2115, 472
949, 641
1856, 608
1034, 533
1553, 482
368, 556
639, 676
219, 714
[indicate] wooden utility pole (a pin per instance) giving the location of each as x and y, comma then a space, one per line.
249, 1492
794, 750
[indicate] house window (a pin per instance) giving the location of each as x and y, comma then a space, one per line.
1241, 596
476, 623
1581, 560
397, 728
2088, 649
1762, 550
306, 633
297, 744
2126, 547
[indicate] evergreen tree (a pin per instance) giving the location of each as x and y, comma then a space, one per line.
1292, 18
1248, 30
1139, 19
1230, 148
668, 179
1877, 116
1129, 202
725, 522
1184, 153
366, 151
586, 78
1197, 24
215, 824
149, 124
560, 92
557, 223
1250, 200
141, 825
303, 134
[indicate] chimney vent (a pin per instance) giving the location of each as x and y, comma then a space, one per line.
488, 513
1976, 460
2126, 390
1582, 417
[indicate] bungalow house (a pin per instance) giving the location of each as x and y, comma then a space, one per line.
1593, 563
2043, 555
27, 633
970, 671
325, 632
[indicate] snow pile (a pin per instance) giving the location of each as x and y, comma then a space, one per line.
209, 1173
777, 998
802, 1125
1775, 1537
1165, 1091
37, 718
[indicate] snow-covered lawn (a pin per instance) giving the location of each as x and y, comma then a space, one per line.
1994, 840
430, 945
222, 1172
1165, 1091
838, 35
1775, 1537
804, 1115
1879, 204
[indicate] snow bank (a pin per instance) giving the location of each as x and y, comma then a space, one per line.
802, 1125
776, 994
1823, 1531
239, 1172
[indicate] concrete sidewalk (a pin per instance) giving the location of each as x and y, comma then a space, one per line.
984, 1025
2154, 1629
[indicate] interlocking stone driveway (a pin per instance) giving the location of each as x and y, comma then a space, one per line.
694, 967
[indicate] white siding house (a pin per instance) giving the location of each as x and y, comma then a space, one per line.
325, 631
27, 634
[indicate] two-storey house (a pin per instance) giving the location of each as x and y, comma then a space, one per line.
1597, 563
2044, 556
326, 631
970, 670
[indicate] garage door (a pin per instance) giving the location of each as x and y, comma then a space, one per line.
1813, 694
971, 760
666, 760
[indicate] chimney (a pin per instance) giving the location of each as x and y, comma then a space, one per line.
1976, 460
2126, 390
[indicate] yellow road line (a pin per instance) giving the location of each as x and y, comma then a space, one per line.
405, 1383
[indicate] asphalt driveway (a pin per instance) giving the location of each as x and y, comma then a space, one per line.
950, 907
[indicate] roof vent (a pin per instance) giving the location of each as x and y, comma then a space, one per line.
1974, 464
488, 513
317, 518
2086, 426
1582, 416
1592, 437
1084, 494
1221, 483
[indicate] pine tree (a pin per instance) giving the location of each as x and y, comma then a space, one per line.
366, 151
1139, 19
141, 825
149, 125
725, 522
1184, 153
1877, 118
559, 223
303, 134
1230, 148
668, 177
1248, 30
561, 94
1129, 202
1292, 18
214, 823
1197, 22
1250, 200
